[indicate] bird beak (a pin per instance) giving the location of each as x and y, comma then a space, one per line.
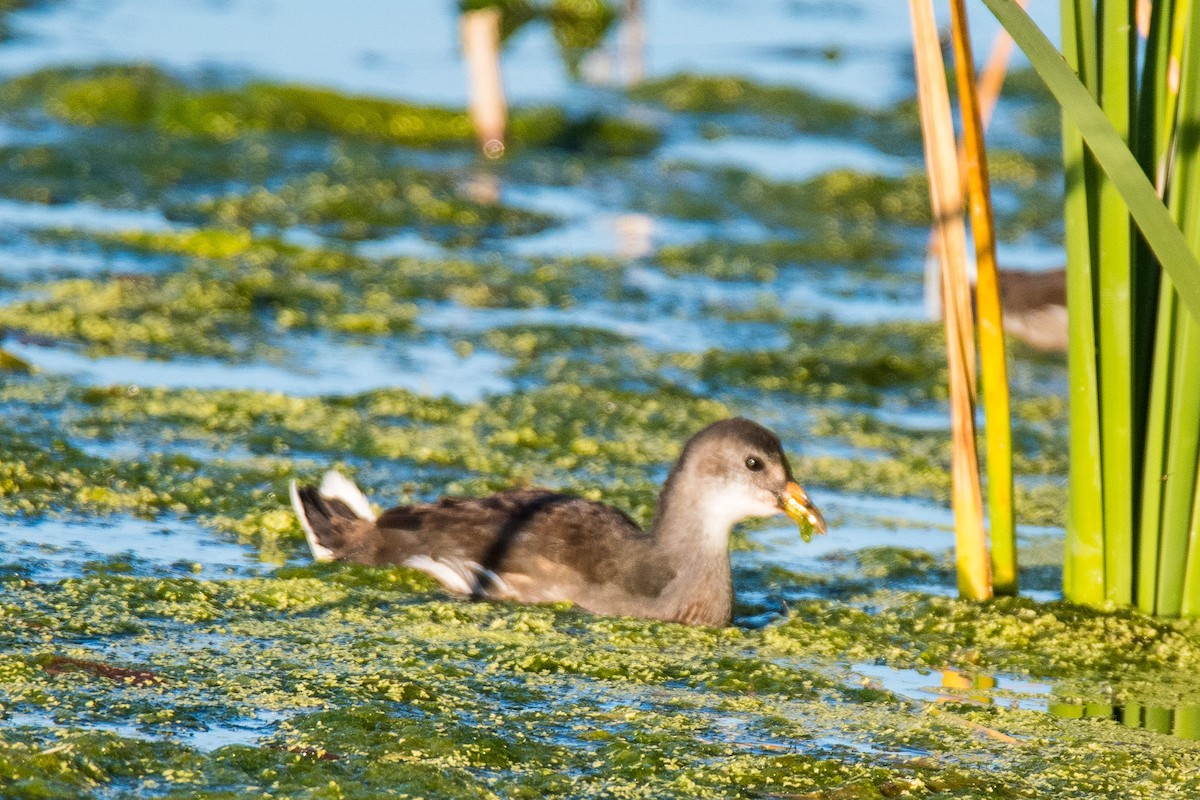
795, 503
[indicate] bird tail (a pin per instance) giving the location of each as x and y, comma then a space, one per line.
325, 512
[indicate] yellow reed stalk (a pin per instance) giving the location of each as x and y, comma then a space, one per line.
946, 200
988, 87
993, 362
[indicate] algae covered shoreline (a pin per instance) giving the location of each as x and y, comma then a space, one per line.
220, 288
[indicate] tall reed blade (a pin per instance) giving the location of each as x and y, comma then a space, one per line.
1190, 606
1154, 345
1154, 468
993, 365
1083, 566
1181, 431
1115, 314
1179, 479
1185, 188
945, 190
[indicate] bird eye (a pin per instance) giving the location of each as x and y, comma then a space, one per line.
753, 464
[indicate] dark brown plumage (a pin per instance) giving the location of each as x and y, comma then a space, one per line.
537, 546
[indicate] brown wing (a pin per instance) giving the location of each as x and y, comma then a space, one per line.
531, 545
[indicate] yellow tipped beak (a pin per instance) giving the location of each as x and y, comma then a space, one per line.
795, 504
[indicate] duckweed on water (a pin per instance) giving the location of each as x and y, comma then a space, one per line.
144, 97
222, 312
839, 361
240, 295
383, 687
128, 168
714, 94
1038, 449
864, 251
561, 436
528, 341
851, 207
473, 282
560, 426
363, 204
348, 193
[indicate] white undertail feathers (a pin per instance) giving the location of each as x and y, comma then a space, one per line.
334, 486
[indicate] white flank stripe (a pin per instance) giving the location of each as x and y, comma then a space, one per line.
461, 577
448, 572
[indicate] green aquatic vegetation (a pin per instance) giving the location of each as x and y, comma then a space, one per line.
592, 135
530, 341
889, 563
866, 431
224, 311
727, 94
220, 243
143, 97
1046, 409
893, 130
75, 763
886, 477
370, 681
853, 197
1041, 562
478, 281
898, 563
129, 168
1039, 449
1022, 169
363, 203
585, 356
350, 192
853, 204
380, 686
632, 368
833, 360
863, 250
239, 295
1069, 644
486, 282
40, 476
603, 444
847, 207
917, 476
842, 217
128, 315
539, 433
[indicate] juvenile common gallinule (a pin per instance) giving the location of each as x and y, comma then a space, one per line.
540, 546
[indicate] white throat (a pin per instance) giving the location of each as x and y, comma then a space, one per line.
724, 507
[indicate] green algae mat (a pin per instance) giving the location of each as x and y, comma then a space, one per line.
214, 290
